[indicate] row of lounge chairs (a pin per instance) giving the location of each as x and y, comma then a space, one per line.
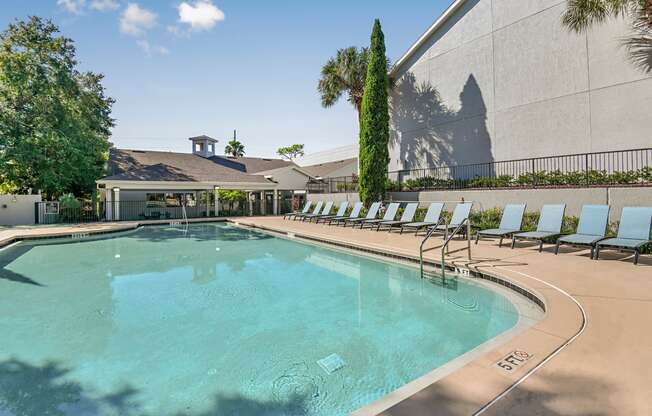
633, 231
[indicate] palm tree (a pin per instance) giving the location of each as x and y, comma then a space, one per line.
234, 148
582, 14
344, 73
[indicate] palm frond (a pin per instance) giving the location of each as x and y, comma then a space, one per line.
639, 45
582, 14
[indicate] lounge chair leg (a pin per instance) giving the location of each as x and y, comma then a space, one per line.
401, 230
592, 252
540, 246
477, 238
557, 248
513, 242
636, 254
500, 242
597, 253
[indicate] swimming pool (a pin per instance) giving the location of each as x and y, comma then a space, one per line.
221, 320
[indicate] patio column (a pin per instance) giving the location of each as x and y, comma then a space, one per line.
109, 203
275, 202
208, 202
251, 204
216, 191
263, 203
116, 192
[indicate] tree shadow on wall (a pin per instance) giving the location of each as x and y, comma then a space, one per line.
428, 133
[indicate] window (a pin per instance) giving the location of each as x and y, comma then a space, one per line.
155, 200
211, 148
175, 199
199, 147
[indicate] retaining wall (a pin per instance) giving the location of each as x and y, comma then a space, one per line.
574, 198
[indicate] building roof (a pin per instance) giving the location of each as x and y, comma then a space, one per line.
428, 33
330, 155
250, 164
324, 169
154, 166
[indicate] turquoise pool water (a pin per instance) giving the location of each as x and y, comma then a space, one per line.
222, 321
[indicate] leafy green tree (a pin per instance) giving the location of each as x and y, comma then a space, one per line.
54, 120
344, 73
234, 148
291, 152
230, 197
580, 15
374, 122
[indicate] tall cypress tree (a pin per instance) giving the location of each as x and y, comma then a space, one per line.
374, 122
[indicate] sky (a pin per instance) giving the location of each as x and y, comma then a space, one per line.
181, 68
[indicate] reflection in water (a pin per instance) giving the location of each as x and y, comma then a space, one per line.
239, 319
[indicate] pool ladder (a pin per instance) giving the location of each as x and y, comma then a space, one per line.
447, 240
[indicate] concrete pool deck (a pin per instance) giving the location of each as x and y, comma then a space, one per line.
605, 370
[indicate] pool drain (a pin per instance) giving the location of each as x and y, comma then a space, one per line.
331, 364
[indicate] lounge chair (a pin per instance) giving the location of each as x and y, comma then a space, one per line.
407, 217
371, 214
355, 213
633, 232
432, 218
460, 216
510, 223
326, 211
591, 228
390, 214
317, 210
304, 211
340, 211
550, 221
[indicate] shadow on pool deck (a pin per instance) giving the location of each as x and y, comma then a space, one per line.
550, 397
31, 390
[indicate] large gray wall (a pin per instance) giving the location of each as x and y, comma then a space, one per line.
502, 79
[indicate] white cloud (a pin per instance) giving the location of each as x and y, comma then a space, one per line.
177, 31
72, 6
201, 15
152, 49
136, 20
104, 5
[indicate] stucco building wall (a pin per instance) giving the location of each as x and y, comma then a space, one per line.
503, 79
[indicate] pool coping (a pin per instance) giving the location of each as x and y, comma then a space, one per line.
545, 339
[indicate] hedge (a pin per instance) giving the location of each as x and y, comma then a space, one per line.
543, 178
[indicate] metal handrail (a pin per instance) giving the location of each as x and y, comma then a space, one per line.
428, 235
184, 214
444, 248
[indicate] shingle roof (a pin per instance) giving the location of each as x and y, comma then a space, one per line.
324, 169
251, 164
146, 165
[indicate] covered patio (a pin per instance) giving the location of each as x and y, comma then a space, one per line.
152, 200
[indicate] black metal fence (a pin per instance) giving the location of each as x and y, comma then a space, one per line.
623, 167
85, 211
333, 185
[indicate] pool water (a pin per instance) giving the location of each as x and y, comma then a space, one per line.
220, 320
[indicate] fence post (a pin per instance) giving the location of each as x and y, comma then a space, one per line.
586, 169
534, 175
